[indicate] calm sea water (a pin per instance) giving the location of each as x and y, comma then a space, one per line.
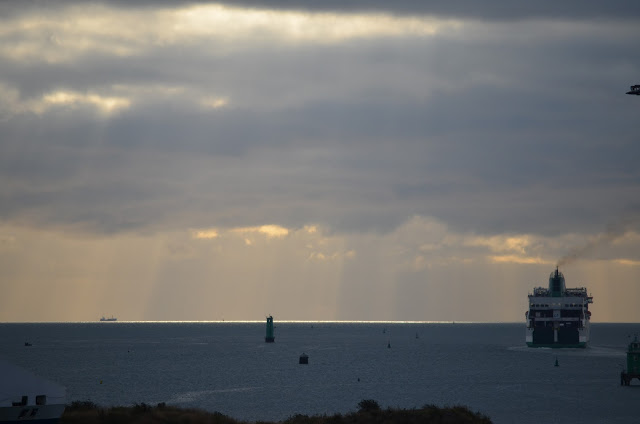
227, 367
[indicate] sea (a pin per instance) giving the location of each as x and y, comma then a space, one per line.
227, 367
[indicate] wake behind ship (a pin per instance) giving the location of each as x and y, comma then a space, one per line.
558, 316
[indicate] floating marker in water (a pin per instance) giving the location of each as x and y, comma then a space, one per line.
557, 364
269, 337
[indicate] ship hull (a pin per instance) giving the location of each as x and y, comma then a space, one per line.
558, 345
559, 337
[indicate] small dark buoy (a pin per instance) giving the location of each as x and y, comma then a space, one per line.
389, 345
304, 359
557, 364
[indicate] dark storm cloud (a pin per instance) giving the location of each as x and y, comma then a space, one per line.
508, 181
468, 9
523, 127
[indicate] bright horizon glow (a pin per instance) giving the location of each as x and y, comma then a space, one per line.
293, 322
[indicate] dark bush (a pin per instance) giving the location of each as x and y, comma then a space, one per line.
368, 405
140, 408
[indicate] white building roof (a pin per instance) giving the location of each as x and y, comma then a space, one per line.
16, 382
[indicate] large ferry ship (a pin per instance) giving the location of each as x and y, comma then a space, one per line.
558, 316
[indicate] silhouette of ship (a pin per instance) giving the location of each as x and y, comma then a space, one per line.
558, 316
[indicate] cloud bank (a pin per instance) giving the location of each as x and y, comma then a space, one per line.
504, 128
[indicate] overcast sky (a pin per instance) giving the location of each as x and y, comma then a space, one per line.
427, 161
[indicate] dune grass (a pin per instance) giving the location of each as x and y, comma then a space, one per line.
369, 412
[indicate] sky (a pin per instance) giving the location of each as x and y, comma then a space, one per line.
364, 160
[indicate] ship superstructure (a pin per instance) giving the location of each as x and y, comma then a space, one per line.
558, 316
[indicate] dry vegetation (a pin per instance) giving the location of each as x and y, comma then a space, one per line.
369, 413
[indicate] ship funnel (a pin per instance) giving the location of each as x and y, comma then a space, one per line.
556, 284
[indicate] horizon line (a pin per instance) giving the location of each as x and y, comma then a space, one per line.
288, 322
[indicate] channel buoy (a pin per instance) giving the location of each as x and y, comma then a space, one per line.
269, 337
304, 359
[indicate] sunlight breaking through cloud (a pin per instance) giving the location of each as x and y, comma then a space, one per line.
81, 30
502, 243
332, 160
214, 102
270, 231
12, 103
293, 26
627, 262
74, 99
206, 234
519, 260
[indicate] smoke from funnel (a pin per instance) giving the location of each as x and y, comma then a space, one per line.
613, 233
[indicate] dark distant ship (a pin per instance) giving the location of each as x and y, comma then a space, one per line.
558, 316
635, 89
111, 318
